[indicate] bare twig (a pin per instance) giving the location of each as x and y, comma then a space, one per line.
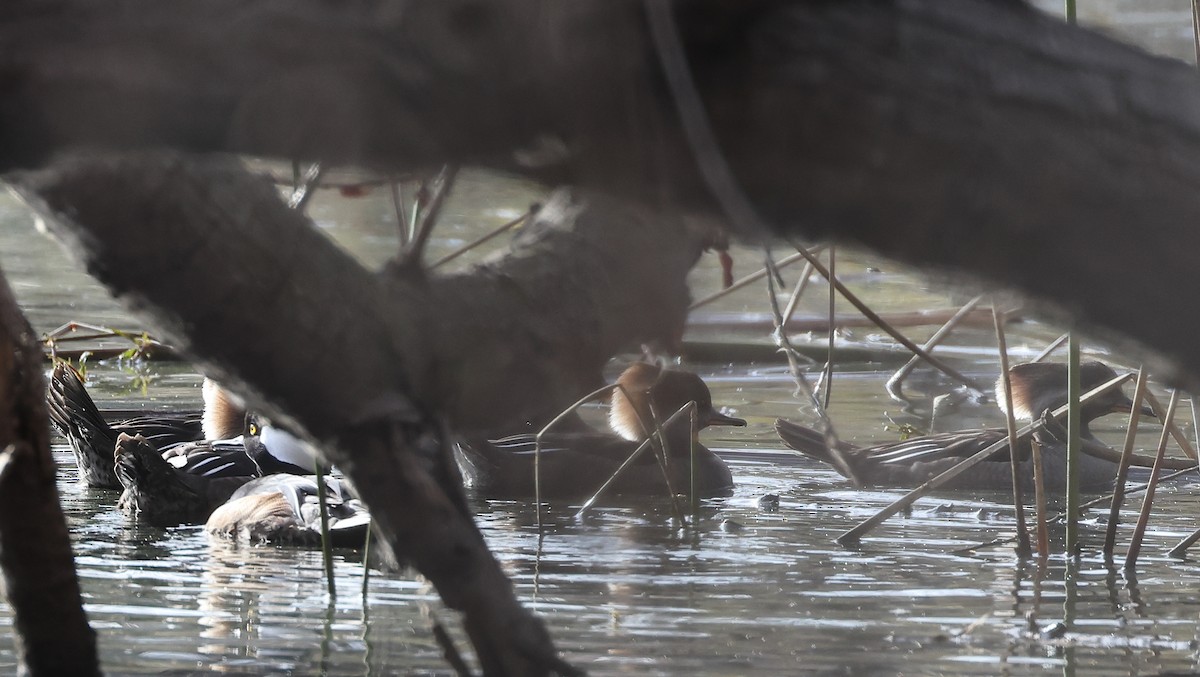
794, 300
895, 384
891, 331
1054, 345
484, 239
802, 388
649, 441
749, 279
1181, 548
306, 187
441, 186
1176, 433
401, 214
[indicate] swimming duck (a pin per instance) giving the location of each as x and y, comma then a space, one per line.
92, 438
284, 509
158, 493
574, 464
1036, 387
222, 441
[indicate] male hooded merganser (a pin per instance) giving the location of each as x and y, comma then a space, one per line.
93, 439
575, 464
284, 509
1036, 387
223, 441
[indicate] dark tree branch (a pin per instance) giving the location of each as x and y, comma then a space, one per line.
977, 135
371, 363
52, 632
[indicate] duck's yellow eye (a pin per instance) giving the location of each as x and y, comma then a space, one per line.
254, 429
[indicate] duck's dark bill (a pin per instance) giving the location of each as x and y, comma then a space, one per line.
717, 418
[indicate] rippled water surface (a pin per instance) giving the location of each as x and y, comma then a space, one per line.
623, 588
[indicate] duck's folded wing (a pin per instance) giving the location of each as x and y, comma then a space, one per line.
164, 430
957, 445
596, 444
213, 458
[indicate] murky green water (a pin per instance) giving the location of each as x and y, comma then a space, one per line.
623, 589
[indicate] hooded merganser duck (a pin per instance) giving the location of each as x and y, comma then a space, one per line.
222, 441
277, 508
284, 509
575, 464
160, 494
1036, 387
185, 483
92, 438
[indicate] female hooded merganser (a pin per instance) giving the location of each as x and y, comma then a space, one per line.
1036, 387
277, 508
284, 509
575, 464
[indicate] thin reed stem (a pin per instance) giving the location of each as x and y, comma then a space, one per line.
326, 542
690, 406
1023, 547
1039, 497
366, 558
1118, 495
827, 379
1139, 531
401, 215
1074, 444
1176, 433
537, 444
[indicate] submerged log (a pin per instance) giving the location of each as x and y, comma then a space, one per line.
51, 630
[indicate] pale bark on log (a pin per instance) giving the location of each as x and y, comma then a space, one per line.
52, 633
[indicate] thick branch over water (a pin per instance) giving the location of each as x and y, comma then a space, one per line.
973, 135
372, 363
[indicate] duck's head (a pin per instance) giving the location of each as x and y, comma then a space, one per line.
664, 392
224, 413
278, 450
1039, 386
